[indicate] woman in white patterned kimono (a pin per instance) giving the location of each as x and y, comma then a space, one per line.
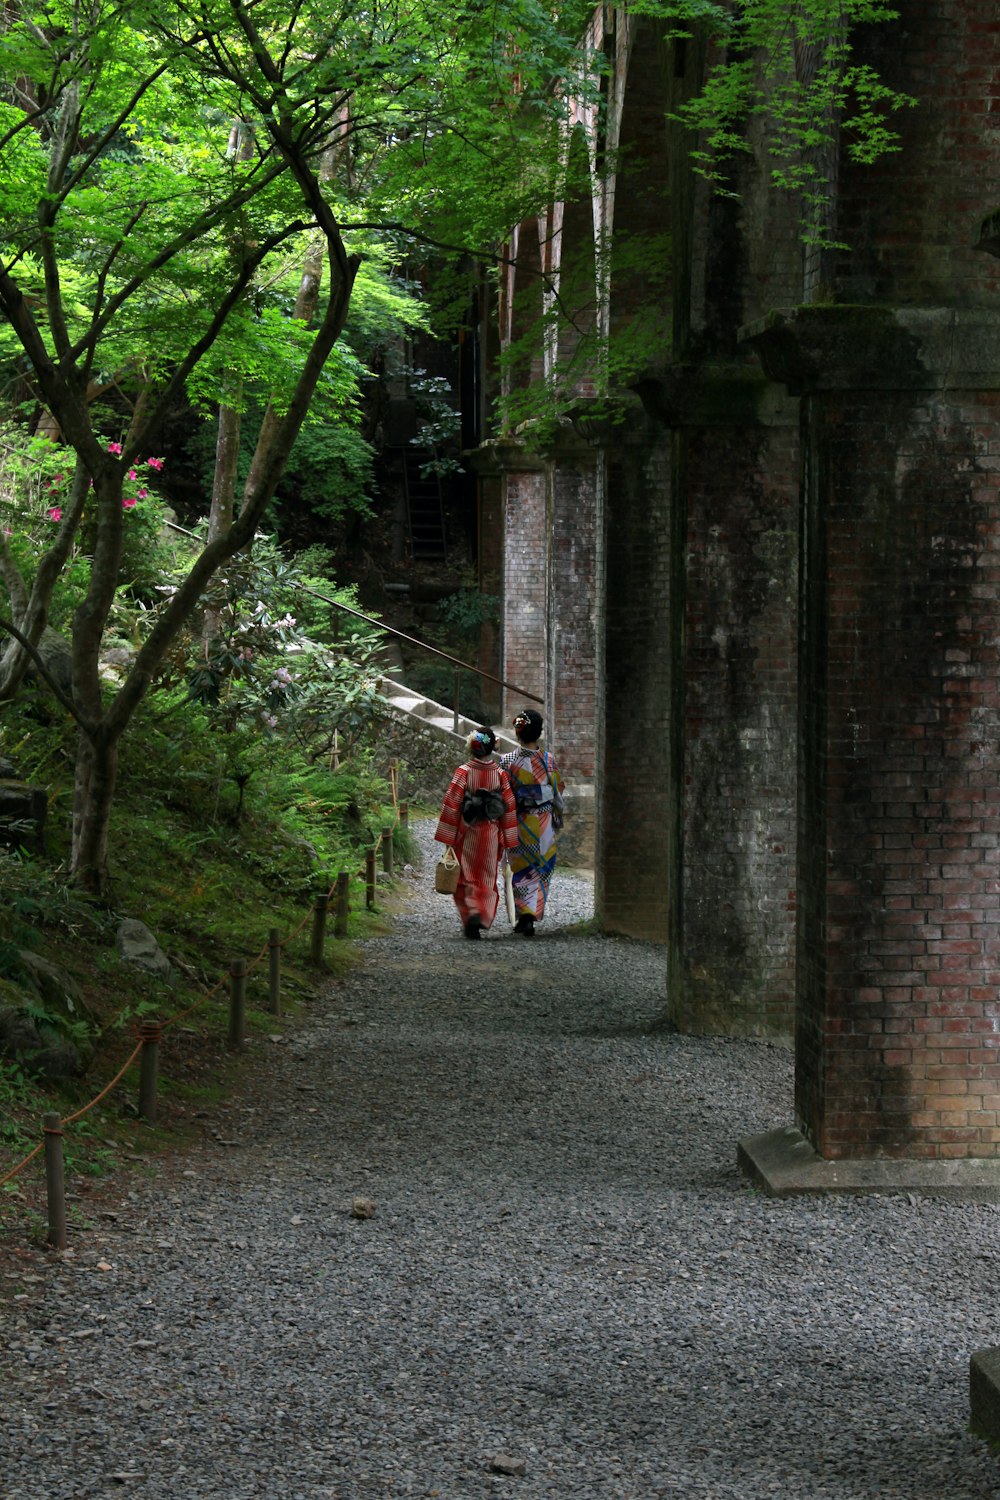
537, 787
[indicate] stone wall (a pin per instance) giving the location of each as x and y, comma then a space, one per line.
425, 758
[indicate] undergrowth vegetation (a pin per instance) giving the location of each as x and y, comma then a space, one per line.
237, 804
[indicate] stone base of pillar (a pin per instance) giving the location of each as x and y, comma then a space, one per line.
984, 1394
576, 837
785, 1165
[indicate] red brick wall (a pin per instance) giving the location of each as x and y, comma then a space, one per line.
525, 600
899, 1020
490, 558
637, 842
576, 515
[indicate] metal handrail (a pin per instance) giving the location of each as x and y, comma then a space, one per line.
413, 641
402, 636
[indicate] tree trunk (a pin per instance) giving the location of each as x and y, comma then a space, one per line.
220, 517
97, 748
227, 455
93, 794
227, 443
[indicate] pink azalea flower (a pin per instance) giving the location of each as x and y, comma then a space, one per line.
55, 514
132, 474
143, 494
114, 447
128, 502
155, 463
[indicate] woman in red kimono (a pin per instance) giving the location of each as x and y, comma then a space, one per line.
480, 842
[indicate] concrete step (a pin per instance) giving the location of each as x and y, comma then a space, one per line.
437, 716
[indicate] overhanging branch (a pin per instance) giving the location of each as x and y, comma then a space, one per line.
11, 629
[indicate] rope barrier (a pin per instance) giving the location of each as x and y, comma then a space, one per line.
15, 1171
183, 1014
78, 1114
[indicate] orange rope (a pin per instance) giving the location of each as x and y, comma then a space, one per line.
21, 1165
107, 1088
182, 1015
78, 1114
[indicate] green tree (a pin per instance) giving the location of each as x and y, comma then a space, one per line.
135, 239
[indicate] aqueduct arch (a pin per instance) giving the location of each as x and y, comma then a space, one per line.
767, 601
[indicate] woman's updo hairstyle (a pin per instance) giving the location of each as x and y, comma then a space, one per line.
528, 726
481, 743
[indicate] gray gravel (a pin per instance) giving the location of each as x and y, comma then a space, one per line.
562, 1271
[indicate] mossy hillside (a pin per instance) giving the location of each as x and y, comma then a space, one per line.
210, 862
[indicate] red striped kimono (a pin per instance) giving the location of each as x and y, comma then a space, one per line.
478, 845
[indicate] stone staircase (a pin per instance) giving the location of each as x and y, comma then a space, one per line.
437, 718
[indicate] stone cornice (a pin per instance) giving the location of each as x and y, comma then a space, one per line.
566, 441
877, 348
715, 395
501, 455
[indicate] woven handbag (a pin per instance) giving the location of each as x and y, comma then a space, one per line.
446, 873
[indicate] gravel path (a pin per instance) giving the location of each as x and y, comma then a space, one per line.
563, 1271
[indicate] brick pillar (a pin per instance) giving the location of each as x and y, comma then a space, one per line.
734, 699
489, 552
898, 1017
710, 522
639, 754
526, 531
576, 499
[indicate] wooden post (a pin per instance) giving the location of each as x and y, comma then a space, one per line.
274, 971
318, 928
237, 1003
149, 1070
387, 851
404, 815
370, 879
342, 904
55, 1182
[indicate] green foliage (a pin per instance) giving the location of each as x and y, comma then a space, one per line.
259, 673
438, 422
330, 470
467, 611
21, 1107
800, 112
35, 479
33, 897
